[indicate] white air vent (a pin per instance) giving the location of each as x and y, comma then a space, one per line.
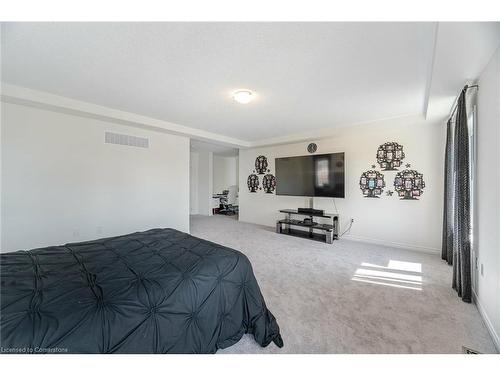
126, 140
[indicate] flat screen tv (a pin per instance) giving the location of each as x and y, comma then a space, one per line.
311, 175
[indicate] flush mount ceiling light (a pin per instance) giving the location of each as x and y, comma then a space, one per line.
243, 96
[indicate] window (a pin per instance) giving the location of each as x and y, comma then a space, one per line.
471, 122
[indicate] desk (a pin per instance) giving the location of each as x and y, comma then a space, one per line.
217, 202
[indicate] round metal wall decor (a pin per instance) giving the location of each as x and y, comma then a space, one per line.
390, 156
409, 184
371, 184
312, 148
269, 183
261, 164
253, 183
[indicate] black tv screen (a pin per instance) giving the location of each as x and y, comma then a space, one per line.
311, 175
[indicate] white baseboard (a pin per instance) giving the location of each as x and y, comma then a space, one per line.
398, 245
494, 335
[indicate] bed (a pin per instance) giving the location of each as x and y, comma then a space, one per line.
158, 291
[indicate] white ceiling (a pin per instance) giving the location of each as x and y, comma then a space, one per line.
306, 75
309, 77
217, 149
463, 49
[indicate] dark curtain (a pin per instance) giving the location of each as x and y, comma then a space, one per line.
447, 243
461, 221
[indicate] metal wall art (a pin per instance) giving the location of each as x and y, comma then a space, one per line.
253, 183
261, 165
268, 180
390, 156
269, 183
409, 184
372, 184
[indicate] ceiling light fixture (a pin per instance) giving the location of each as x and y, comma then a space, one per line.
243, 96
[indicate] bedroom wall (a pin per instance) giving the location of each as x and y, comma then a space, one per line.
61, 183
387, 220
225, 172
193, 183
487, 198
205, 182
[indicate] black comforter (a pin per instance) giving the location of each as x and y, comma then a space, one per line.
159, 291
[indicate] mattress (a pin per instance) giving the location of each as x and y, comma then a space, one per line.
158, 291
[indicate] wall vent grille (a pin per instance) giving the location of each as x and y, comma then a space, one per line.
126, 140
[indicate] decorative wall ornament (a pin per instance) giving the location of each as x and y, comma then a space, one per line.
409, 184
389, 193
390, 155
374, 166
408, 165
261, 164
312, 148
253, 183
372, 184
269, 183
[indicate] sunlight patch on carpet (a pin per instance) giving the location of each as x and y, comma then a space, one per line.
398, 274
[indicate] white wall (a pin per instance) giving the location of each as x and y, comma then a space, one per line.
487, 198
193, 183
388, 220
1, 117
205, 182
225, 172
61, 182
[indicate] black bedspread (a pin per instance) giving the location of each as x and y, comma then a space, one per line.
159, 291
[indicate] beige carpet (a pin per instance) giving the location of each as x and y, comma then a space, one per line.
350, 297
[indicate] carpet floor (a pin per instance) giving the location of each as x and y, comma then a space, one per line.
350, 297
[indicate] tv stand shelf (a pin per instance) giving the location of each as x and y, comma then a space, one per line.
330, 230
